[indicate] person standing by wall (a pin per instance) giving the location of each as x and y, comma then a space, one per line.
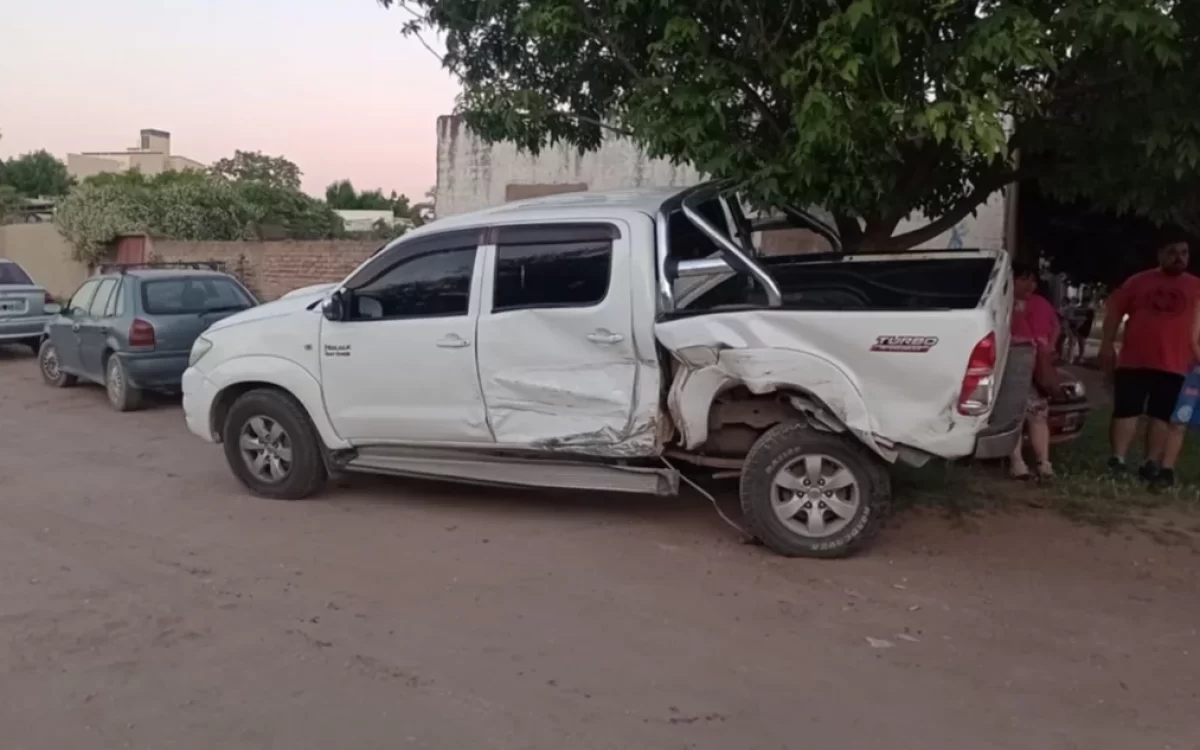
1155, 354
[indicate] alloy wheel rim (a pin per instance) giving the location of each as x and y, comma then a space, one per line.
50, 363
266, 449
116, 382
815, 496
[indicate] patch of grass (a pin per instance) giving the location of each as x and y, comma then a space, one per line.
1082, 491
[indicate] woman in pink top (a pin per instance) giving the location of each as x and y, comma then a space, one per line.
1034, 320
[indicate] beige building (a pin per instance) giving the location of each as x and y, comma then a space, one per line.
152, 156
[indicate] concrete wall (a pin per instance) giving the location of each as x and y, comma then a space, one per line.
272, 269
43, 252
472, 175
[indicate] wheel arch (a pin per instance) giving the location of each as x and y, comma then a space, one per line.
244, 374
811, 387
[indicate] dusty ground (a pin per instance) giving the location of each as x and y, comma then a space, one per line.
146, 601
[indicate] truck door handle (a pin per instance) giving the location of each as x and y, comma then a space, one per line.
453, 342
603, 336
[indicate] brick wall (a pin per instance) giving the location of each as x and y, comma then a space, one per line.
272, 269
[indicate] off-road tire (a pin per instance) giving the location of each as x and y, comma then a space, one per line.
307, 474
122, 395
782, 445
59, 379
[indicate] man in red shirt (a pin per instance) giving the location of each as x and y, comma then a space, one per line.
1156, 351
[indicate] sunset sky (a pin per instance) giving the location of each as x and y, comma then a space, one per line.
330, 84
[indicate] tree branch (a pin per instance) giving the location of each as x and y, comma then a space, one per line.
965, 206
849, 230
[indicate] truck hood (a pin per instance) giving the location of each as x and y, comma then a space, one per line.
309, 291
296, 304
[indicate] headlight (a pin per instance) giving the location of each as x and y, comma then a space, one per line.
199, 349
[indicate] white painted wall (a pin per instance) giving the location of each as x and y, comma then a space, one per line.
472, 175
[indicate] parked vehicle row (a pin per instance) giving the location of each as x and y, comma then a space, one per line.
132, 329
584, 342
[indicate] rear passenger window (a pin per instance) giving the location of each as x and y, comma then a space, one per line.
552, 266
100, 301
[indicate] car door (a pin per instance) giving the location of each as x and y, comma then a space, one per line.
400, 367
556, 349
66, 327
93, 328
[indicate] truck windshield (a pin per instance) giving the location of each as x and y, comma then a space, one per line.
13, 275
193, 295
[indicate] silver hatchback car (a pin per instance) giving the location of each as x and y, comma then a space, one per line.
25, 307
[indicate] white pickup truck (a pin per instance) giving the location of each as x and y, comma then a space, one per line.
601, 341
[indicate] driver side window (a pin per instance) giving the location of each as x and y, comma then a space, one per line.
428, 277
82, 299
435, 284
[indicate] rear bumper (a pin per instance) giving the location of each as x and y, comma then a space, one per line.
156, 370
999, 444
19, 329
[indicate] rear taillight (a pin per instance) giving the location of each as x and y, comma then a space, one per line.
141, 333
979, 382
48, 299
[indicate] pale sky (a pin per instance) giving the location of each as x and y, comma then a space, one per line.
330, 84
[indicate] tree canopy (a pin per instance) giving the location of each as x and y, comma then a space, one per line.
342, 195
256, 166
187, 205
873, 109
35, 175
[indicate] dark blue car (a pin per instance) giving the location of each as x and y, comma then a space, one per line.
131, 330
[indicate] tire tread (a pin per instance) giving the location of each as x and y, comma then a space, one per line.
783, 443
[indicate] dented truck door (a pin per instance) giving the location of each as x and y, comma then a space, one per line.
557, 360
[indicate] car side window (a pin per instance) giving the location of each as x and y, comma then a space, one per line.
549, 266
431, 284
100, 300
82, 298
116, 303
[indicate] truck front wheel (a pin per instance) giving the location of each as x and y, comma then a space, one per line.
272, 447
807, 493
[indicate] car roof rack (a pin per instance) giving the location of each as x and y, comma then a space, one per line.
191, 265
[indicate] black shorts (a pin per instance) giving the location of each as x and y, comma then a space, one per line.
1150, 392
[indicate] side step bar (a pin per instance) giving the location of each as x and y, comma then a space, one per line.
512, 471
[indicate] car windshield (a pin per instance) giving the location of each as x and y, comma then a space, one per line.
193, 295
13, 275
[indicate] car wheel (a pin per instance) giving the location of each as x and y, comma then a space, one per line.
121, 393
272, 446
51, 369
807, 493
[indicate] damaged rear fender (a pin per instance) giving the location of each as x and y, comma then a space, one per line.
828, 389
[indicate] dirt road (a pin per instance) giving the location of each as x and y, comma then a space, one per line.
146, 601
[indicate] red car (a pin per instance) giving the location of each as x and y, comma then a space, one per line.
1069, 410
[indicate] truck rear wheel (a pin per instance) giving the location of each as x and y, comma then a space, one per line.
807, 493
272, 447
